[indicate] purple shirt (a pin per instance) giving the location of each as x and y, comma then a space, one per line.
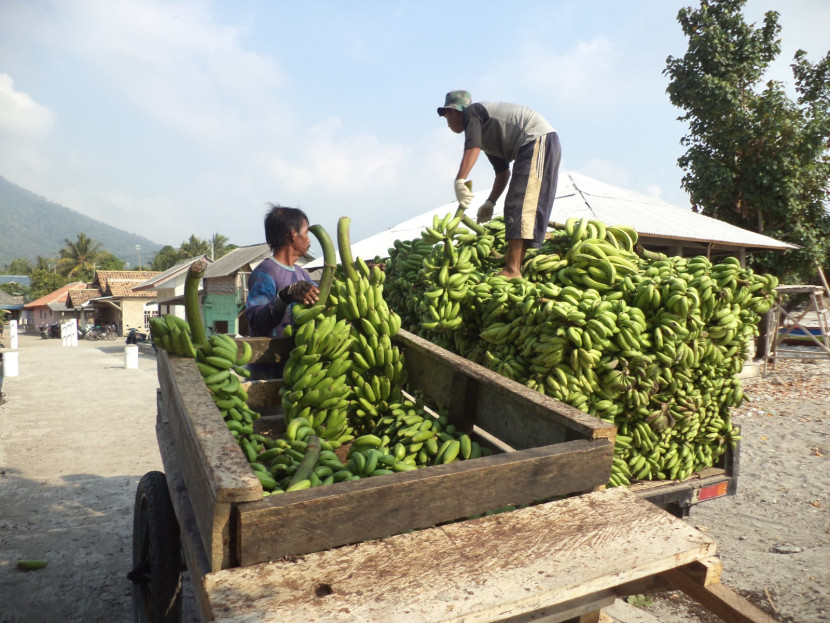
266, 279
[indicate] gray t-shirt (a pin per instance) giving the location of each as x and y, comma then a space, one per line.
501, 129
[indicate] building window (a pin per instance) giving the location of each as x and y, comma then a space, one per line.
148, 314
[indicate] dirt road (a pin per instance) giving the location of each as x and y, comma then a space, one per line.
76, 434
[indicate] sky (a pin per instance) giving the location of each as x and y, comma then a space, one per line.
176, 118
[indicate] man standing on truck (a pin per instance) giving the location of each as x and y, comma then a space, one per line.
508, 133
278, 282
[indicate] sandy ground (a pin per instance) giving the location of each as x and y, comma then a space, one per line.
774, 535
77, 433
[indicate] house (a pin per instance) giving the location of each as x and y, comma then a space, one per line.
661, 226
50, 308
225, 289
169, 286
11, 307
111, 299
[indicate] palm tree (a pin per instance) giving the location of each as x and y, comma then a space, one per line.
45, 263
78, 259
219, 246
195, 247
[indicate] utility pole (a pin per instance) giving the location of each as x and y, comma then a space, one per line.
138, 248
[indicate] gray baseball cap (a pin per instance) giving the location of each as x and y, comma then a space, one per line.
457, 100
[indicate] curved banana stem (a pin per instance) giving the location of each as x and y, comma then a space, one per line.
329, 261
344, 245
191, 303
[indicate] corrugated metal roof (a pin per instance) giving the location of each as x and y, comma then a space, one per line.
236, 259
7, 301
580, 196
173, 271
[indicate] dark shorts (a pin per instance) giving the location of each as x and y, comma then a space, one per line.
532, 190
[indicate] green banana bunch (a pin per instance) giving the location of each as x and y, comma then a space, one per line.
172, 334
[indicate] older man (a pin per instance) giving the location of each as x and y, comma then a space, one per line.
508, 133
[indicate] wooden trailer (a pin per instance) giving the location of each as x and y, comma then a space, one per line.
413, 546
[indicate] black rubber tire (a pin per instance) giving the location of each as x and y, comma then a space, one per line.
157, 562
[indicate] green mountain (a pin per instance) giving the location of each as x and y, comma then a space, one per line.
32, 226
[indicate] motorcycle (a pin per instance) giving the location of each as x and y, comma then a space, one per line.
134, 336
50, 330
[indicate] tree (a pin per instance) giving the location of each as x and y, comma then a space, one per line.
219, 246
194, 247
45, 263
78, 259
214, 248
43, 282
754, 157
107, 261
165, 258
13, 289
18, 266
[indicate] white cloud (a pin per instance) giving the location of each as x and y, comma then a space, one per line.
175, 63
352, 164
20, 115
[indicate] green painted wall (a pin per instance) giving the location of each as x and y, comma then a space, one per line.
220, 308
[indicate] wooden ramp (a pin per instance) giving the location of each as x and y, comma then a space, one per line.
553, 561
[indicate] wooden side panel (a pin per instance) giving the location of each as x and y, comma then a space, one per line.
565, 553
516, 414
213, 467
264, 395
192, 547
350, 512
268, 350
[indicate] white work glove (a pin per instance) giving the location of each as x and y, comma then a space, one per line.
485, 212
464, 193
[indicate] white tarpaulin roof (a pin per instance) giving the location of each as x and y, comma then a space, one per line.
581, 196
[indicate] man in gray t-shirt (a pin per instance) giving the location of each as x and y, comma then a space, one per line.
508, 133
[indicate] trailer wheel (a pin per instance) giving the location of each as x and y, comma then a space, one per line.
157, 563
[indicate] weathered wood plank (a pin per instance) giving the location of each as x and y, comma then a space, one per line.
268, 350
185, 395
264, 395
509, 410
487, 569
193, 548
213, 467
350, 512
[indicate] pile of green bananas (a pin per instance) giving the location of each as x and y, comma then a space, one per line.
406, 437
649, 342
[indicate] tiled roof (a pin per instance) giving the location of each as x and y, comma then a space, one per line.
76, 298
58, 296
120, 283
125, 290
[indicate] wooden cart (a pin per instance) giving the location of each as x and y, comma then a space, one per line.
410, 546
